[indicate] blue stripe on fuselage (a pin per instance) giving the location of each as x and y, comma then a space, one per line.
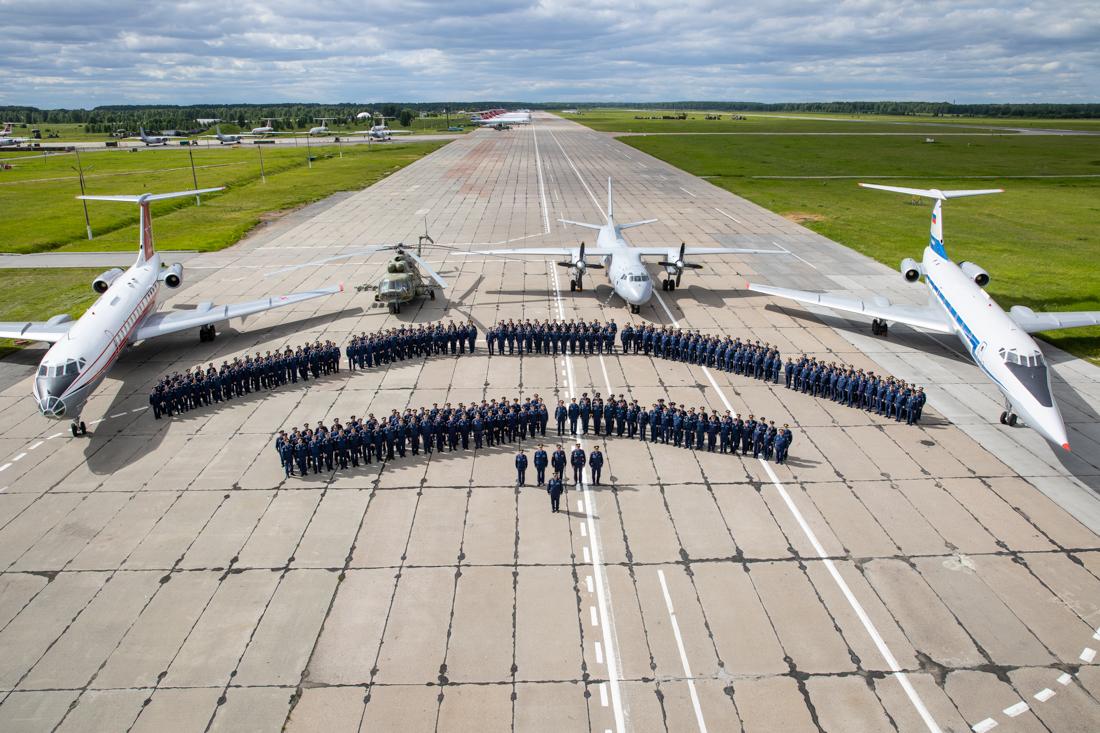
971, 339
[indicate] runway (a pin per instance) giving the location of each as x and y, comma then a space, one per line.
161, 575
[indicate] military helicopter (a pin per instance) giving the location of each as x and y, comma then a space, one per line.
407, 276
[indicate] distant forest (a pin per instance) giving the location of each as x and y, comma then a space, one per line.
297, 115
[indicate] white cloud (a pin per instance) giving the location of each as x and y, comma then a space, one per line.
118, 51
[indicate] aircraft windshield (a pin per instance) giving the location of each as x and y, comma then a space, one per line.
393, 287
1031, 371
54, 379
639, 278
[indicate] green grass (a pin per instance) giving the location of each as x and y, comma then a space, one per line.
42, 213
35, 295
1039, 240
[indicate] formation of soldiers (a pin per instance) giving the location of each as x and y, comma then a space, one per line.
406, 342
500, 422
178, 393
844, 384
762, 361
683, 426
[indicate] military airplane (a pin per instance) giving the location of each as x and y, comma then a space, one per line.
231, 139
996, 341
154, 139
380, 131
625, 270
7, 140
321, 129
84, 350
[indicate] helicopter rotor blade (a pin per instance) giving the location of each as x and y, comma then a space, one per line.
356, 253
428, 268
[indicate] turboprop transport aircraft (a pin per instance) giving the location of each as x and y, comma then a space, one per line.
625, 270
84, 350
998, 342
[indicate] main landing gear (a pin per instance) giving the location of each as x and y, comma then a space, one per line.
1009, 418
207, 333
395, 307
575, 285
879, 327
668, 284
79, 428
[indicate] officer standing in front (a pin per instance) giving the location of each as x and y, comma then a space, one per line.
554, 488
521, 468
558, 462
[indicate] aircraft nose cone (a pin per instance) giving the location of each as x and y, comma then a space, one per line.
51, 406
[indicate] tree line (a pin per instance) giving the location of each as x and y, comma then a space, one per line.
106, 119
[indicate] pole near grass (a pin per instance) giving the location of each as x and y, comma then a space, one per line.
194, 178
309, 153
260, 150
80, 176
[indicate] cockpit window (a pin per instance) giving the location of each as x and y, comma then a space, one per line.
1011, 356
639, 278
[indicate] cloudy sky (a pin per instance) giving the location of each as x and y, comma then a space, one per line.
82, 53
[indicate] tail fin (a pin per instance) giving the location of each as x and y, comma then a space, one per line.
145, 234
610, 200
935, 240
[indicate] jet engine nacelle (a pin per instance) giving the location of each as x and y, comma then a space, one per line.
173, 276
975, 273
103, 282
910, 269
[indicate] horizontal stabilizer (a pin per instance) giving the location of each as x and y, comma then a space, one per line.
580, 224
933, 193
138, 198
633, 224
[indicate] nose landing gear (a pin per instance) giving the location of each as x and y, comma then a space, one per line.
635, 308
879, 327
78, 428
207, 333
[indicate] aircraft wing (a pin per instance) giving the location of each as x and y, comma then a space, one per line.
1031, 321
928, 317
50, 331
166, 322
542, 251
702, 251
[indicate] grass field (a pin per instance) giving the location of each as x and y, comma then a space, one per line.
34, 295
41, 212
1039, 240
618, 120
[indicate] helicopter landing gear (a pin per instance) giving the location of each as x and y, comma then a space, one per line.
207, 333
879, 327
79, 428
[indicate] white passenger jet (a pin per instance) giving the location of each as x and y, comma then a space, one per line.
381, 132
84, 350
998, 342
625, 270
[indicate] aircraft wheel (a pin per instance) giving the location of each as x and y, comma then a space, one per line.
572, 286
664, 285
75, 430
1004, 418
1013, 419
83, 428
431, 294
391, 307
671, 284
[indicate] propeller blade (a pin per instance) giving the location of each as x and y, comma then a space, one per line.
431, 272
594, 266
683, 245
693, 265
580, 255
679, 274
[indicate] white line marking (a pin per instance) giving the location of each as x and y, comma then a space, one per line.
118, 414
606, 379
1018, 709
21, 455
603, 694
983, 726
792, 254
94, 422
55, 435
689, 193
36, 445
5, 467
728, 216
584, 531
542, 186
599, 657
1044, 694
1065, 678
587, 557
1096, 635
868, 625
140, 409
1088, 655
683, 654
580, 505
592, 613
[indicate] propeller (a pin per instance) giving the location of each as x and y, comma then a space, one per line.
679, 264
